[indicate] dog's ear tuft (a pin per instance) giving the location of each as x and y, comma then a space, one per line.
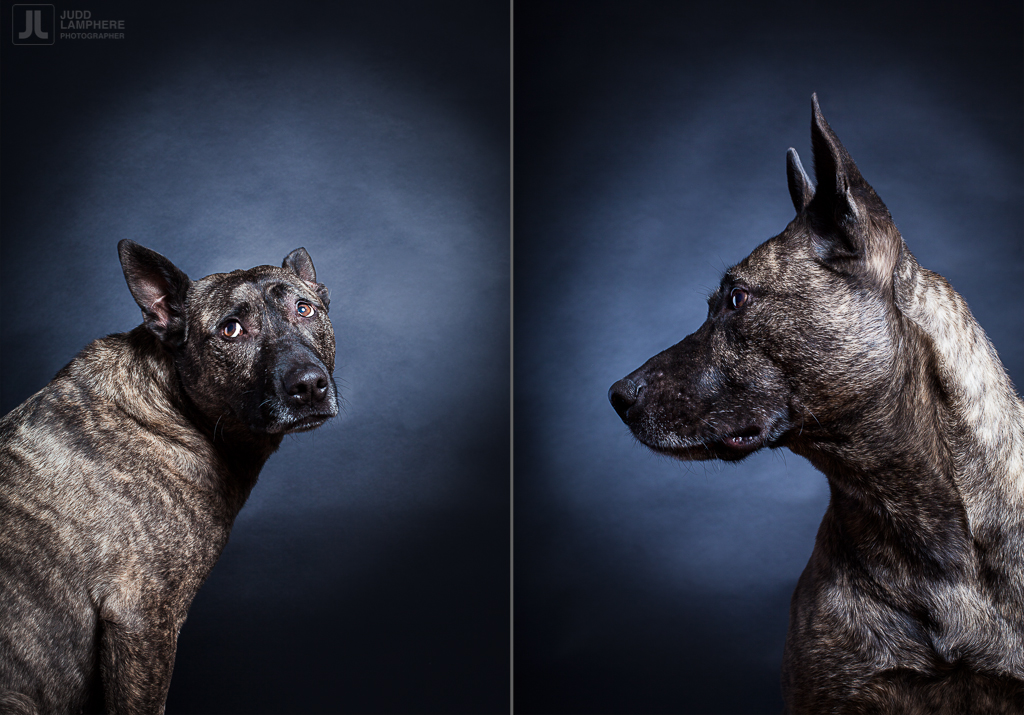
159, 288
800, 189
299, 263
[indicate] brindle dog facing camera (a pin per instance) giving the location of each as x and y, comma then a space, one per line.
831, 340
120, 480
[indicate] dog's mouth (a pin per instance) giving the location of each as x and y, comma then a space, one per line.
730, 446
716, 429
305, 424
742, 442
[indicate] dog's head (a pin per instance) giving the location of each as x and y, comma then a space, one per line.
254, 349
798, 336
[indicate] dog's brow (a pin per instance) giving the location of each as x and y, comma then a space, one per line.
239, 310
281, 289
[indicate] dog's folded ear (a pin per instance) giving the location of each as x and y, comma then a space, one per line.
159, 288
299, 263
853, 230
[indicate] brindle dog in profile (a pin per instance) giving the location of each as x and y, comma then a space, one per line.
120, 480
831, 340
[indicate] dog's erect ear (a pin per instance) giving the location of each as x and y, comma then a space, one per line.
299, 263
833, 168
800, 189
159, 288
853, 230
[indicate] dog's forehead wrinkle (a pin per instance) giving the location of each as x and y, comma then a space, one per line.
253, 300
243, 311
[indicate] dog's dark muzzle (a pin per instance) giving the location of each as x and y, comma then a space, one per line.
680, 404
305, 393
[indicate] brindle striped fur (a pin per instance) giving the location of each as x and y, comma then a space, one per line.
120, 480
831, 340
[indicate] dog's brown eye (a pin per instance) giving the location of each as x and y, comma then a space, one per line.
738, 298
231, 329
305, 310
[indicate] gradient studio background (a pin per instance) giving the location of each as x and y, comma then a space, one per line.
369, 571
650, 143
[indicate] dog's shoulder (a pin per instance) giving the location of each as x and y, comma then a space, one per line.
118, 404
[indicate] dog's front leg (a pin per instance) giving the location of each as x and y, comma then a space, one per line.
136, 660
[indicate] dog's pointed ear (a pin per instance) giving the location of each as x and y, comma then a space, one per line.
299, 263
160, 289
853, 231
834, 170
800, 189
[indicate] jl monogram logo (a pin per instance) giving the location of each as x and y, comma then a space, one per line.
35, 23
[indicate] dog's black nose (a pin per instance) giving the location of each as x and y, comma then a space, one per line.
623, 395
306, 385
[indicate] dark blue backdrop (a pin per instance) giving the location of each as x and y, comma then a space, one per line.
650, 143
369, 571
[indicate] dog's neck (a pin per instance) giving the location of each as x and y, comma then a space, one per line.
934, 506
982, 428
222, 460
895, 505
948, 389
